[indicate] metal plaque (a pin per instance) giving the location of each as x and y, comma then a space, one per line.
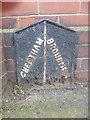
45, 51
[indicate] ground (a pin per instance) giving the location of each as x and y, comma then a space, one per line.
55, 100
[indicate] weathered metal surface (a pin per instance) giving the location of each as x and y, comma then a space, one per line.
45, 51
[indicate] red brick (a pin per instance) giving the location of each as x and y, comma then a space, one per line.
84, 7
59, 7
83, 76
83, 37
8, 23
52, 18
74, 20
11, 65
82, 51
24, 21
8, 39
89, 7
9, 52
15, 23
0, 8
0, 23
1, 54
0, 70
3, 68
4, 81
1, 37
82, 64
12, 77
19, 0
19, 8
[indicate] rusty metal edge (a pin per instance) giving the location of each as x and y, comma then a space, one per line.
48, 21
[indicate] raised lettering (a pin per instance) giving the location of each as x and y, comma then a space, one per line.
55, 50
26, 70
61, 63
30, 55
23, 74
57, 56
53, 46
50, 41
64, 68
27, 66
61, 66
33, 54
34, 51
36, 47
29, 62
60, 58
40, 41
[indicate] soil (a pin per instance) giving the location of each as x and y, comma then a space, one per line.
50, 100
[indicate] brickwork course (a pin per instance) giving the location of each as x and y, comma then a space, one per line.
72, 14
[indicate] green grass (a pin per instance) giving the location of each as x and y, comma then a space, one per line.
51, 108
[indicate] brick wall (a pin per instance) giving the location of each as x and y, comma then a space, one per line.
3, 67
71, 14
